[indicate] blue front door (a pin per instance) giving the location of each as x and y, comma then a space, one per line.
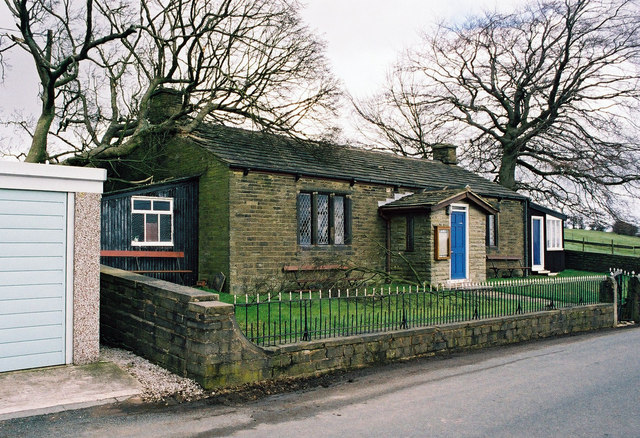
458, 245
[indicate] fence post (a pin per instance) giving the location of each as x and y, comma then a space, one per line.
632, 310
609, 294
611, 246
583, 244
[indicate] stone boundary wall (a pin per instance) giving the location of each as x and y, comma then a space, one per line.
190, 333
599, 262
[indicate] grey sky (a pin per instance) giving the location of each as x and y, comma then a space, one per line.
364, 37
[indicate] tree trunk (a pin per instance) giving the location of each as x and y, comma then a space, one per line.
507, 172
38, 150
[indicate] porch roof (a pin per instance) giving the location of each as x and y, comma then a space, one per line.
432, 200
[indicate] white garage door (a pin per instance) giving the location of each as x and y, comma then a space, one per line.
32, 278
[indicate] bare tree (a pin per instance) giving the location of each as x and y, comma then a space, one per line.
544, 99
59, 38
224, 61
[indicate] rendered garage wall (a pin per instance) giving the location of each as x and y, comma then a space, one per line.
86, 278
84, 191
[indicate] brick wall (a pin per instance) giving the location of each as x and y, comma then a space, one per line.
191, 334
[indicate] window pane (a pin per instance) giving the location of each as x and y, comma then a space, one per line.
141, 204
323, 219
151, 228
338, 220
409, 234
554, 233
137, 227
304, 218
165, 228
491, 230
161, 205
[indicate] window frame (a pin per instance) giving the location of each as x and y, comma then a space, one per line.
442, 242
314, 214
169, 213
554, 234
410, 234
495, 231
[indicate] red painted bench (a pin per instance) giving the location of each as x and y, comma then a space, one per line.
308, 275
178, 255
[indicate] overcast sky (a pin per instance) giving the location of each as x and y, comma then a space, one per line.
364, 37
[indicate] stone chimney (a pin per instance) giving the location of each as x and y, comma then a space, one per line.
445, 153
164, 103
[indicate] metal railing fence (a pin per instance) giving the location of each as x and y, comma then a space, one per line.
277, 319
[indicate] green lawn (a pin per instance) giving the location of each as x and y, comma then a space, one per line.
631, 243
291, 319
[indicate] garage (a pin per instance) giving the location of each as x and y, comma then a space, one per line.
32, 278
43, 239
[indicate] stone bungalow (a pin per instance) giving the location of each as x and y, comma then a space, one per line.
265, 202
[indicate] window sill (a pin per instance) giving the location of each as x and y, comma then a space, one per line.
163, 244
324, 247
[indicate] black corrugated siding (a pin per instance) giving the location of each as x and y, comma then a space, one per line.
116, 222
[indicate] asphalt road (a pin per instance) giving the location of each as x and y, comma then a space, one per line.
583, 386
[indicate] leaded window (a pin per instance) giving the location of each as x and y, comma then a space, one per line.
304, 219
323, 219
338, 220
151, 221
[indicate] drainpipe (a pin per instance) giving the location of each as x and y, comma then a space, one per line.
387, 243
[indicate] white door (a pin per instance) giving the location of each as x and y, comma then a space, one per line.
32, 278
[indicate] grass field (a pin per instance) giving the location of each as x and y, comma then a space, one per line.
601, 241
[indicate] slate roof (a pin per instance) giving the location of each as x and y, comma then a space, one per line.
436, 199
240, 148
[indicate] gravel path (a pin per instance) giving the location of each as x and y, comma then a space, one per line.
157, 383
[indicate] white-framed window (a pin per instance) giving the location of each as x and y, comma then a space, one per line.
554, 233
151, 221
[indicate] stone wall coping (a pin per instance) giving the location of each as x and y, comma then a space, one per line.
376, 337
212, 307
164, 288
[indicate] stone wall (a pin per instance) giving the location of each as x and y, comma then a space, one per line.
263, 228
190, 333
599, 262
511, 231
410, 265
